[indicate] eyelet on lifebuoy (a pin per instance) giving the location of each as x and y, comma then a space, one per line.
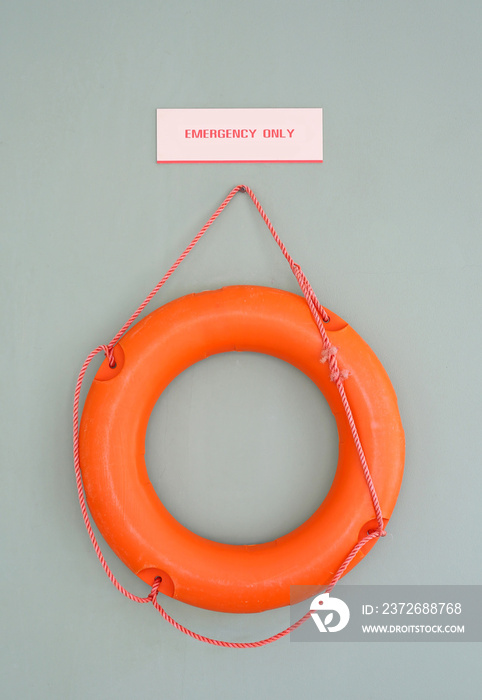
129, 513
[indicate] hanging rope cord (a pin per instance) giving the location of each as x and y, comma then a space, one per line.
337, 376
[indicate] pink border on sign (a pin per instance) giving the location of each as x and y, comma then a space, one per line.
292, 135
173, 162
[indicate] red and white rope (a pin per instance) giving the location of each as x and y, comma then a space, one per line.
329, 352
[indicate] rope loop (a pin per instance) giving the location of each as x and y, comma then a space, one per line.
337, 376
380, 532
155, 589
109, 353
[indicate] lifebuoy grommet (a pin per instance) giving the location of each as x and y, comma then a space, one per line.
128, 511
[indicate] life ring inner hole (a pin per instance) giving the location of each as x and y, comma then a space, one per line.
241, 448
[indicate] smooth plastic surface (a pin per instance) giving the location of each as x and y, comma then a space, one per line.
128, 511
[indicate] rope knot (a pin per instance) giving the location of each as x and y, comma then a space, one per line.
378, 532
338, 374
328, 353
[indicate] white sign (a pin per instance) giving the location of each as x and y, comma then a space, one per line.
240, 135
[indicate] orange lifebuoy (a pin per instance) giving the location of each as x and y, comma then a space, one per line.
128, 511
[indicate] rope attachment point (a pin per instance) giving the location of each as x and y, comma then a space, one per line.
109, 353
155, 589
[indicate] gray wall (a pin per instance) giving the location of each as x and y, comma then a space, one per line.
386, 229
